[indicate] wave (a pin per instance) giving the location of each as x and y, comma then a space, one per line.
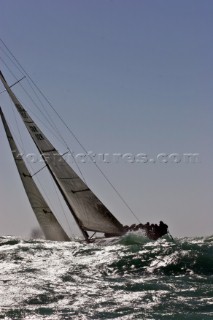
132, 253
127, 278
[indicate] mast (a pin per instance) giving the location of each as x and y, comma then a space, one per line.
46, 219
89, 212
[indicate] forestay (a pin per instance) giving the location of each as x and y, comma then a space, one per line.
89, 212
50, 226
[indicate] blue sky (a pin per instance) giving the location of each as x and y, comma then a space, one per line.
128, 77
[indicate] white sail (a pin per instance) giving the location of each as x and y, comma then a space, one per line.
89, 212
46, 219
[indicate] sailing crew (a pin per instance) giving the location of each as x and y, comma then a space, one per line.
163, 228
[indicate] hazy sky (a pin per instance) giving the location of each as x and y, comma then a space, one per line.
127, 77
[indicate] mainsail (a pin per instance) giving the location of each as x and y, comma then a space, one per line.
46, 219
89, 212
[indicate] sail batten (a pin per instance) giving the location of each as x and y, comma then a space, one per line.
49, 224
89, 212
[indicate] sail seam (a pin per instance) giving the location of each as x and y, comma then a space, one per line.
80, 190
49, 150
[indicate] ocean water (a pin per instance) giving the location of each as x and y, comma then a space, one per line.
133, 278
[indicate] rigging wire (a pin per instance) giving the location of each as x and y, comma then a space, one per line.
71, 132
62, 207
11, 60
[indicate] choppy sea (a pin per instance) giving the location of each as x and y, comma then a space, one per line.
133, 278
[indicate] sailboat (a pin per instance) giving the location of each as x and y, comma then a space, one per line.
89, 213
